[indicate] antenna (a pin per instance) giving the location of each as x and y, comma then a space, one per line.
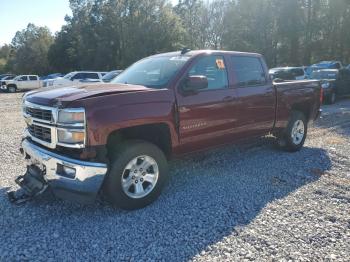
185, 50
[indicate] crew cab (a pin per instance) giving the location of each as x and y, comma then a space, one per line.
74, 78
21, 82
116, 138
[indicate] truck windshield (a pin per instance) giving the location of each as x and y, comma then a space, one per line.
153, 72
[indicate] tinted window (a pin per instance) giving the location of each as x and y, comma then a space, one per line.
297, 72
213, 67
23, 78
248, 71
78, 76
33, 78
91, 76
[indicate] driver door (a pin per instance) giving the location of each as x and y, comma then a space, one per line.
22, 82
205, 116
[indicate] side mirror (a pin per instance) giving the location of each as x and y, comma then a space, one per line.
195, 83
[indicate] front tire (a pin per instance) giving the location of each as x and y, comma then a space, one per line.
137, 175
294, 136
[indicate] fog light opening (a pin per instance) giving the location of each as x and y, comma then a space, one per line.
66, 171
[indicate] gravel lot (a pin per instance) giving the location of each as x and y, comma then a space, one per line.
249, 202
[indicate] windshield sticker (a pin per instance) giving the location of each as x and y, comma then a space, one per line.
220, 63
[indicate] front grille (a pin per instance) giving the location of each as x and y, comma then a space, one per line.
39, 132
39, 113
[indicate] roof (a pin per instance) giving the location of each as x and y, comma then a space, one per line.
199, 52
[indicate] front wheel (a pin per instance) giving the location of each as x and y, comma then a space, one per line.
294, 136
137, 175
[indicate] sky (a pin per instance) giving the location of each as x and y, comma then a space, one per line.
15, 15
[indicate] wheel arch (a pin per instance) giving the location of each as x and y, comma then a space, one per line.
155, 133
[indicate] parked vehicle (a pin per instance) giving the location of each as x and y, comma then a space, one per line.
21, 82
74, 78
288, 73
348, 67
3, 76
323, 65
105, 79
45, 79
120, 135
335, 83
52, 76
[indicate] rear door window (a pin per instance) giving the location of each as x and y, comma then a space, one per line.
297, 72
91, 76
248, 71
33, 78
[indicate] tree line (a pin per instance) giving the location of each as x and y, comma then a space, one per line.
112, 34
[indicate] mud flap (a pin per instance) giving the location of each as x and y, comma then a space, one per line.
32, 183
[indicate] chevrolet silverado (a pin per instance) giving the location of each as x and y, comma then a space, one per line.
115, 139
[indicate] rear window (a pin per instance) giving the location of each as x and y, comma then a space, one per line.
297, 72
248, 71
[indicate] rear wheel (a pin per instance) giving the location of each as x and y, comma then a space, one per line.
294, 136
137, 175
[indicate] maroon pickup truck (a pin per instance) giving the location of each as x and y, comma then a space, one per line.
116, 138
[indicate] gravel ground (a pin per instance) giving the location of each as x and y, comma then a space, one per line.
248, 202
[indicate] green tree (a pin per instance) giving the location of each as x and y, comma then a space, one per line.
30, 47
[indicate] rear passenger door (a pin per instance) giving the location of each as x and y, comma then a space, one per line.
33, 82
256, 98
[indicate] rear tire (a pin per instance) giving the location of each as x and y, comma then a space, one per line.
294, 135
137, 174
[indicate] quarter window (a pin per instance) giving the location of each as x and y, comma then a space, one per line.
248, 71
213, 67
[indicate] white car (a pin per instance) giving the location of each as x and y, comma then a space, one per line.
74, 78
21, 82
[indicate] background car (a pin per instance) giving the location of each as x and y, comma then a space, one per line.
324, 65
288, 73
105, 79
3, 76
21, 82
46, 79
74, 78
334, 83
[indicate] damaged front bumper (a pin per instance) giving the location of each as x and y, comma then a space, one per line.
68, 178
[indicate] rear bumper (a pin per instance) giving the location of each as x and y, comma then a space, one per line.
81, 187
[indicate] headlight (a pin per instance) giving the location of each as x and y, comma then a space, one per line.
70, 136
71, 116
325, 85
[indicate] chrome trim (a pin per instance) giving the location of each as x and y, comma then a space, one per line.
88, 177
53, 125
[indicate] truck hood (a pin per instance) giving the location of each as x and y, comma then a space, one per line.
64, 95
